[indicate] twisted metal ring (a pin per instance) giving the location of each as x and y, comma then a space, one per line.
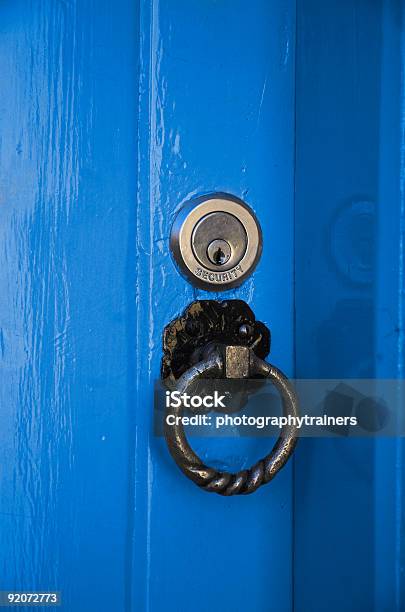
244, 481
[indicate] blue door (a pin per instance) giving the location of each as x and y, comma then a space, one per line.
113, 115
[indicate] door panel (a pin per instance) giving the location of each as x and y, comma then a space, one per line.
216, 114
112, 116
67, 315
349, 295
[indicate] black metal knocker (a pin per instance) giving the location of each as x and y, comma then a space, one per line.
223, 340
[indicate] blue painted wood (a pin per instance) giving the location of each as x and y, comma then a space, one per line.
390, 299
216, 113
112, 116
349, 295
67, 288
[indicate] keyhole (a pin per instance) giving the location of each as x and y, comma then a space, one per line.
219, 252
219, 256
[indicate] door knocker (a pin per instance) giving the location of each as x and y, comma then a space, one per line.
214, 339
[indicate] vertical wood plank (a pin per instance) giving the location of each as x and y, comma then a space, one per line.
68, 158
216, 113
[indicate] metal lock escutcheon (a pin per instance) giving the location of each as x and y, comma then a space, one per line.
216, 241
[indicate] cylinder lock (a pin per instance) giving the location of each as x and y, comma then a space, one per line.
216, 241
